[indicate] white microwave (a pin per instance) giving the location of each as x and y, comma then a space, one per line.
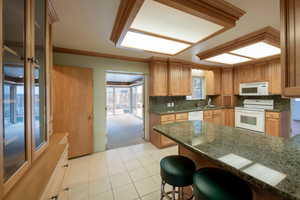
254, 89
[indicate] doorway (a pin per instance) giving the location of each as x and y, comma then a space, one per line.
124, 109
295, 116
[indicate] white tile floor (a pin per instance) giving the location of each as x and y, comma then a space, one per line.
128, 173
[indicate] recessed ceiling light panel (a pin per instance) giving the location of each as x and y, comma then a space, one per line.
226, 58
151, 43
258, 50
160, 19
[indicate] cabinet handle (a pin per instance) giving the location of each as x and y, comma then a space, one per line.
31, 60
67, 165
54, 197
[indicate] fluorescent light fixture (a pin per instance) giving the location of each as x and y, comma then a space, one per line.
226, 58
173, 23
151, 43
258, 50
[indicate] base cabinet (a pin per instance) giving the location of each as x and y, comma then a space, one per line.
158, 139
223, 117
54, 188
277, 124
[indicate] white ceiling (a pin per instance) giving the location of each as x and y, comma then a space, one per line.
86, 25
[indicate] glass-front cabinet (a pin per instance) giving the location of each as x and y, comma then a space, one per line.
23, 87
39, 76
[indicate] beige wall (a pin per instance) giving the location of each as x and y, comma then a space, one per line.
101, 66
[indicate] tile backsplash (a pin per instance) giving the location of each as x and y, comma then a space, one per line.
180, 103
279, 102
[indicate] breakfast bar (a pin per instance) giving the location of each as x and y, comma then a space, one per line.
270, 165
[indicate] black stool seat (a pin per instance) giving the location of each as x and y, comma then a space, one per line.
217, 184
177, 170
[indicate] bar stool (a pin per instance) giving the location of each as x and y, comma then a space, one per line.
217, 184
176, 171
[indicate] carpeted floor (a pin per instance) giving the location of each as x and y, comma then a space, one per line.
124, 130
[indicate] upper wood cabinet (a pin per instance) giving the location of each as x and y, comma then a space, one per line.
227, 81
290, 47
213, 82
158, 78
274, 77
170, 78
269, 71
180, 79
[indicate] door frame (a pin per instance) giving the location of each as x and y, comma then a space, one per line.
145, 105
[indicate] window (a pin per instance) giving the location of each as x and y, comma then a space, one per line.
198, 88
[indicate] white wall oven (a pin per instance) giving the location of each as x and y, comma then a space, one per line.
252, 115
254, 89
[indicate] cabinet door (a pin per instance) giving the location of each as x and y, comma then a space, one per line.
213, 82
164, 141
272, 127
227, 82
218, 117
274, 77
229, 117
14, 92
40, 137
237, 81
208, 116
290, 47
186, 80
158, 78
175, 76
182, 117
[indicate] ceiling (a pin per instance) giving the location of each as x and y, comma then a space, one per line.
123, 78
87, 25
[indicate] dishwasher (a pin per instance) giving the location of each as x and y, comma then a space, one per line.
196, 115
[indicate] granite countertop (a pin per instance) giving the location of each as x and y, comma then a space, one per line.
162, 112
270, 163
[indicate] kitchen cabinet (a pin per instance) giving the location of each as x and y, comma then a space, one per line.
158, 77
274, 77
25, 47
169, 78
223, 117
158, 139
277, 124
54, 187
227, 87
229, 115
268, 71
180, 79
214, 116
290, 47
213, 82
227, 81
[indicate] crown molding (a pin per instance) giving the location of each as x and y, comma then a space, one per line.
97, 54
267, 34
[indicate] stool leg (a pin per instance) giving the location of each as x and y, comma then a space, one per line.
162, 190
181, 193
173, 192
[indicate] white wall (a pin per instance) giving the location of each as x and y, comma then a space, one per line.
100, 67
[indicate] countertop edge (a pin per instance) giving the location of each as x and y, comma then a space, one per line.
235, 171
